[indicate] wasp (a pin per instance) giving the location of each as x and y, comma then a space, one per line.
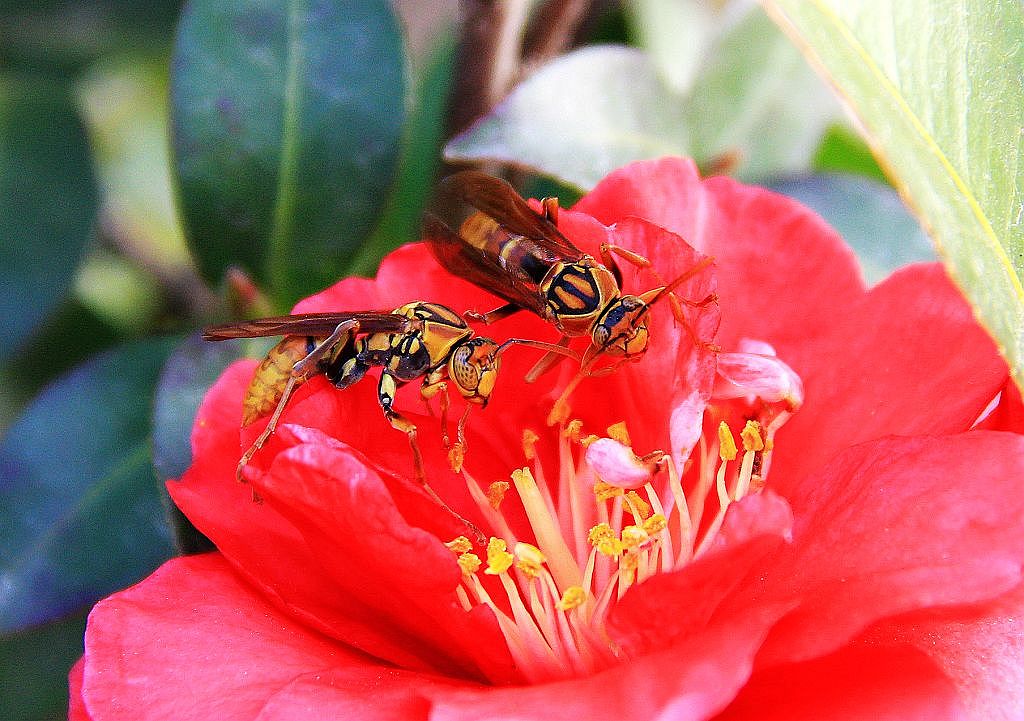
517, 253
419, 340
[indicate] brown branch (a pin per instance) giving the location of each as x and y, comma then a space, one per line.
488, 59
553, 30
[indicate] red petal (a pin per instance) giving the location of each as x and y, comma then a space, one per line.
693, 681
980, 648
889, 527
265, 547
783, 274
76, 704
406, 575
908, 360
859, 683
193, 642
672, 606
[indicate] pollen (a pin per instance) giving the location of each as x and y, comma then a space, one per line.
530, 438
655, 524
618, 432
751, 435
460, 544
574, 597
469, 563
726, 443
499, 559
529, 559
606, 491
640, 508
573, 429
633, 536
496, 493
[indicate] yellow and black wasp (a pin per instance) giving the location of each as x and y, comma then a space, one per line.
511, 250
418, 340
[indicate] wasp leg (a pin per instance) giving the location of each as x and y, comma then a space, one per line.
457, 454
308, 364
386, 397
547, 361
435, 384
549, 209
493, 315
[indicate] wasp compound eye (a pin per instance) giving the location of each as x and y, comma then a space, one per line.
463, 369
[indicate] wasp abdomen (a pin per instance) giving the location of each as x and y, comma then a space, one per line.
272, 374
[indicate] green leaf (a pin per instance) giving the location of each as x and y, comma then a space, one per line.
187, 375
83, 512
421, 160
843, 151
34, 669
869, 216
47, 202
286, 123
757, 95
937, 88
579, 117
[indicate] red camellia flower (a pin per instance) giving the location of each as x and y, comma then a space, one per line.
804, 505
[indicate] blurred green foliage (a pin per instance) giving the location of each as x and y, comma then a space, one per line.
146, 149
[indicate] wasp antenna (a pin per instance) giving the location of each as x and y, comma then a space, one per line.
540, 345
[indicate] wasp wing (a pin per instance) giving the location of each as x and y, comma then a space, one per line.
308, 324
498, 199
480, 268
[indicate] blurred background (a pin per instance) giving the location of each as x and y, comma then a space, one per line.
157, 173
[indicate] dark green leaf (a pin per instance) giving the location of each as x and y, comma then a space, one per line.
65, 35
34, 669
869, 215
286, 121
83, 512
421, 160
47, 202
188, 374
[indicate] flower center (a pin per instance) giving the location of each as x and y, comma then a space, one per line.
618, 520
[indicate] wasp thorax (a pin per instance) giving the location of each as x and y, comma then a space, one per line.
474, 368
622, 327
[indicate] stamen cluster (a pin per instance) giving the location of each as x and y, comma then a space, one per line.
552, 595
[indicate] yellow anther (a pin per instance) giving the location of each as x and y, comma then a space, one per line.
589, 440
460, 544
600, 532
605, 491
769, 443
573, 597
530, 444
633, 536
726, 443
640, 508
629, 562
610, 547
655, 524
573, 430
496, 493
605, 540
499, 559
751, 435
469, 563
456, 457
618, 432
530, 559
523, 477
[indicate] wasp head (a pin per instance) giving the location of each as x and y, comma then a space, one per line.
621, 330
473, 368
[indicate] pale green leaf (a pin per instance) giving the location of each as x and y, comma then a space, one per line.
937, 87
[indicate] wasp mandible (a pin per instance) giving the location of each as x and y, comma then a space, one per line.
511, 250
418, 340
